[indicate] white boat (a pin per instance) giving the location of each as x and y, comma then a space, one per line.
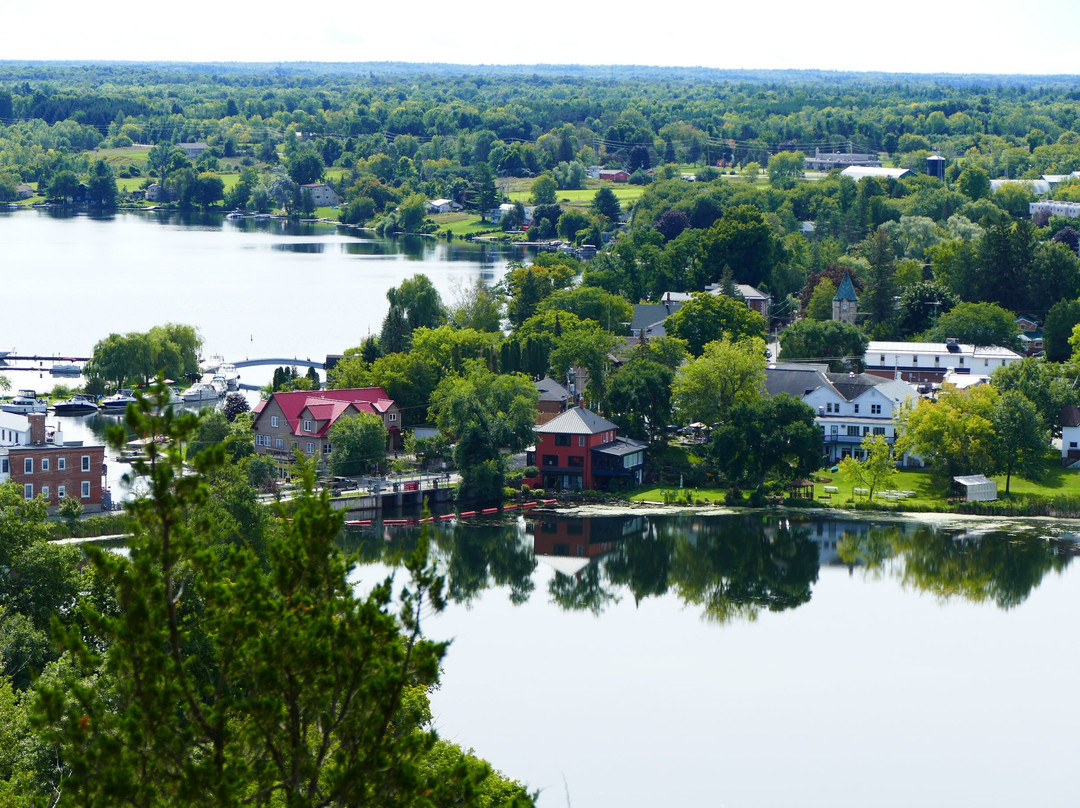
65, 367
23, 402
231, 374
198, 393
76, 405
117, 402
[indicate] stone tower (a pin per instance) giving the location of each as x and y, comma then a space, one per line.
845, 306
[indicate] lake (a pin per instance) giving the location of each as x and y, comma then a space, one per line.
760, 660
253, 288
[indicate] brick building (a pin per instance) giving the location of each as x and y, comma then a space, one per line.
55, 469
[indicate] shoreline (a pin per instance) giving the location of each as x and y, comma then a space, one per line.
939, 518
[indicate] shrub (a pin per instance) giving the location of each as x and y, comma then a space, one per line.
758, 498
733, 496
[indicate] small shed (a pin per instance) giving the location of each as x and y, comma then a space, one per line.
975, 488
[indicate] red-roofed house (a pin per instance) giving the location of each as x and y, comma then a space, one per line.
579, 449
301, 419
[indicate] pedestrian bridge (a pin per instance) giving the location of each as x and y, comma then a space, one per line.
300, 363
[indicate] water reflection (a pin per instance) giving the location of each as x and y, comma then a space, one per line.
1000, 567
730, 568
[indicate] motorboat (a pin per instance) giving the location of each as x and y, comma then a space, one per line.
231, 374
117, 402
198, 393
23, 402
76, 405
65, 367
219, 383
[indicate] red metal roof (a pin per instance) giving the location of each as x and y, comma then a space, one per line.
328, 405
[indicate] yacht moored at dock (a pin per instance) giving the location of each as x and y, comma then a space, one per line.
23, 402
76, 405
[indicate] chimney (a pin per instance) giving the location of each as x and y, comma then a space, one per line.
37, 427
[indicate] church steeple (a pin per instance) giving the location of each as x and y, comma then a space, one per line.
845, 305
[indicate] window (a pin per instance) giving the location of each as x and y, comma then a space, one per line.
61, 463
853, 431
986, 363
327, 448
61, 491
914, 360
307, 426
879, 430
28, 465
961, 361
279, 443
551, 460
84, 491
311, 447
562, 440
4, 466
883, 359
45, 491
274, 421
262, 440
875, 409
856, 408
44, 464
828, 406
937, 360
86, 462
581, 440
576, 461
28, 491
866, 430
391, 416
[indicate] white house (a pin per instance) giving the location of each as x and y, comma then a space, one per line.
14, 431
1055, 208
927, 362
848, 406
1070, 434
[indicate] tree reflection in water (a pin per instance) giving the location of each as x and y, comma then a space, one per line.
1002, 567
731, 566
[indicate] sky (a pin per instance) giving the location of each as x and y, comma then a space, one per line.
919, 36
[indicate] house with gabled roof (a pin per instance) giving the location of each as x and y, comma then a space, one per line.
301, 420
847, 406
582, 450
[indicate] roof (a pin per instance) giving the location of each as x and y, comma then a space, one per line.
577, 421
13, 421
649, 317
551, 390
794, 380
974, 479
853, 385
621, 447
329, 404
931, 348
1070, 415
1037, 187
846, 290
858, 172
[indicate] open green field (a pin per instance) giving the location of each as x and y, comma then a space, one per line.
584, 196
461, 223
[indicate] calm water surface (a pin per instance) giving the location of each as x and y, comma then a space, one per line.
253, 288
756, 661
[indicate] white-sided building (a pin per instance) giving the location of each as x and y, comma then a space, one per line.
927, 362
848, 406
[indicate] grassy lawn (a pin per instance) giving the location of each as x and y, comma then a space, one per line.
461, 223
656, 494
583, 197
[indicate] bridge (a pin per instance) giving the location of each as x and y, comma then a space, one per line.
302, 363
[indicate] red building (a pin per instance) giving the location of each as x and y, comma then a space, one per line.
55, 470
580, 450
